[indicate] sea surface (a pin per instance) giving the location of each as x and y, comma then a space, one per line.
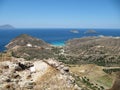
56, 37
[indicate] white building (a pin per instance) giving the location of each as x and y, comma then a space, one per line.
29, 45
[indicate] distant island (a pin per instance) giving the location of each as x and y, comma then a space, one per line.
90, 32
6, 26
74, 31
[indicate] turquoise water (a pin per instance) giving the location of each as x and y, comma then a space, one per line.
58, 43
56, 37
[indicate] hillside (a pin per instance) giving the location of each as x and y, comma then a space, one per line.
104, 51
28, 47
27, 41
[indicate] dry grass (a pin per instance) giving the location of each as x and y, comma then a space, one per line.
5, 57
51, 81
94, 73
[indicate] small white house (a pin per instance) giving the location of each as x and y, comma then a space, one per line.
29, 45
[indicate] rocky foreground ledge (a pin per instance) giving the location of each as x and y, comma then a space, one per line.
19, 74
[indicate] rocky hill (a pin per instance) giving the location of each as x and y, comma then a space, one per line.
28, 47
27, 41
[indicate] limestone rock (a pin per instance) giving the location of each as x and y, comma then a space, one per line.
29, 85
23, 75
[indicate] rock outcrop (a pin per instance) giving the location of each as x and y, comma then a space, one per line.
35, 75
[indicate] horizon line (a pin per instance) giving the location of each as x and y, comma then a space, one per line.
63, 28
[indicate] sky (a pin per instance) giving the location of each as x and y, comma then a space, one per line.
60, 13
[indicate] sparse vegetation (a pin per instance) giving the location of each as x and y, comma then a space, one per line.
110, 71
86, 84
31, 53
101, 51
5, 56
93, 75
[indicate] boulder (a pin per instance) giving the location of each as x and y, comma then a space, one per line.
15, 76
22, 66
8, 86
5, 79
77, 88
28, 64
66, 69
17, 68
30, 85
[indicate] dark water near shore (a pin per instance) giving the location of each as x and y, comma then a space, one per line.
53, 36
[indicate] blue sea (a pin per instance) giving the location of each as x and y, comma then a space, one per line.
56, 37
